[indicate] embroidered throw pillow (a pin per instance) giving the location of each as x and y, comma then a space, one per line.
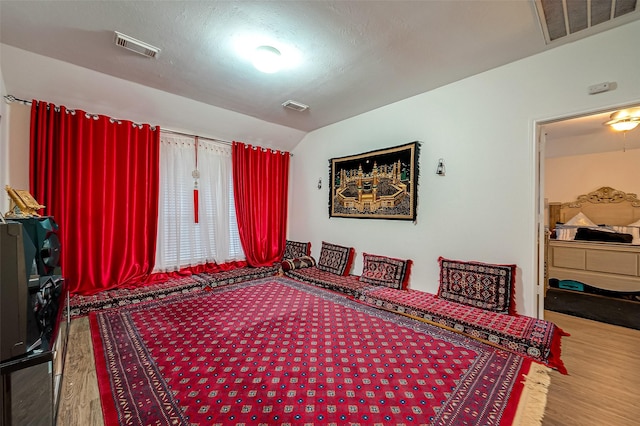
335, 259
482, 285
298, 263
294, 249
385, 271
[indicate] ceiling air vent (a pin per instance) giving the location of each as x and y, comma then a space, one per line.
137, 46
296, 106
560, 18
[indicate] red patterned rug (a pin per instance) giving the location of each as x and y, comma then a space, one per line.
276, 351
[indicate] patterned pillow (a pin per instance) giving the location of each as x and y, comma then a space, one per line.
386, 271
298, 263
294, 249
482, 285
335, 259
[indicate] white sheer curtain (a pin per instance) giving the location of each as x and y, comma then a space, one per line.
181, 242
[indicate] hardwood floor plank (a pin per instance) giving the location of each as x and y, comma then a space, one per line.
604, 375
79, 397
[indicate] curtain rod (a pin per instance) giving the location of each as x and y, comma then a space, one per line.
175, 132
11, 98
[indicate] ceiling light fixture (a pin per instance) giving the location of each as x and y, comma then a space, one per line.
249, 45
267, 59
624, 120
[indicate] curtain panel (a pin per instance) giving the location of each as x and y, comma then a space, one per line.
260, 183
186, 239
98, 178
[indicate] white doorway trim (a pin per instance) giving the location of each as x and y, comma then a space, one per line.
540, 142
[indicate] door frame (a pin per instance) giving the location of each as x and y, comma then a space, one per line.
539, 138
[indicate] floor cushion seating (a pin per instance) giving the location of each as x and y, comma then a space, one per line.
335, 258
297, 263
295, 249
487, 286
80, 305
348, 284
386, 271
238, 275
534, 338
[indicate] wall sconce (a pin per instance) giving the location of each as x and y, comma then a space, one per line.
440, 171
319, 183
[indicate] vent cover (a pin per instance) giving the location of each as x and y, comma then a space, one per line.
296, 106
559, 18
137, 46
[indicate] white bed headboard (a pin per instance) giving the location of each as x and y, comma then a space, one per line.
604, 206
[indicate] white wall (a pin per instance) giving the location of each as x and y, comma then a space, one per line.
483, 127
19, 120
31, 76
4, 150
568, 177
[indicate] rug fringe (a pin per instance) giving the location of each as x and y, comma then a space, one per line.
533, 401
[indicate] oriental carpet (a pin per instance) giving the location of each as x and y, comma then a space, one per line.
277, 351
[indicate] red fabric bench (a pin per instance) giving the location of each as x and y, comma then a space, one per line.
348, 284
238, 275
534, 338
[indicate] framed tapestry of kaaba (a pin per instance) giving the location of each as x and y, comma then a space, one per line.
379, 184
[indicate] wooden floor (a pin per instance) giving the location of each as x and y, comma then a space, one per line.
603, 385
79, 397
602, 388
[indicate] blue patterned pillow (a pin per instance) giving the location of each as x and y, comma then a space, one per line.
335, 259
482, 285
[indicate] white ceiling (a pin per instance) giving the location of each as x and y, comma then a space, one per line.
355, 55
587, 135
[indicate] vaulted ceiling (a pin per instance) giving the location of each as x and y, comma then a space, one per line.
353, 56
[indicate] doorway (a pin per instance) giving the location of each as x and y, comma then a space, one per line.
577, 155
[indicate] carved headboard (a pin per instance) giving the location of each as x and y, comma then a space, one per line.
604, 206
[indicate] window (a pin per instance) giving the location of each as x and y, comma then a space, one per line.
214, 238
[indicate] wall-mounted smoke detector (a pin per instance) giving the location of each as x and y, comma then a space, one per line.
137, 46
296, 106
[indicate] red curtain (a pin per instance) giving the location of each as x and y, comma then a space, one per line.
98, 178
260, 186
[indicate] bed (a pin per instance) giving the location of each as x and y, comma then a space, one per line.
574, 251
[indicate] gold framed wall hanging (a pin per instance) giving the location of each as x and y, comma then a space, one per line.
379, 184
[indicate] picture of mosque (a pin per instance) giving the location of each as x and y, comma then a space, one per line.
375, 185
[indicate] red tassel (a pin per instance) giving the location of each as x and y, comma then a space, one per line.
195, 205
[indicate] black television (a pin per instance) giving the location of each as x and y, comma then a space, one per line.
34, 322
13, 292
